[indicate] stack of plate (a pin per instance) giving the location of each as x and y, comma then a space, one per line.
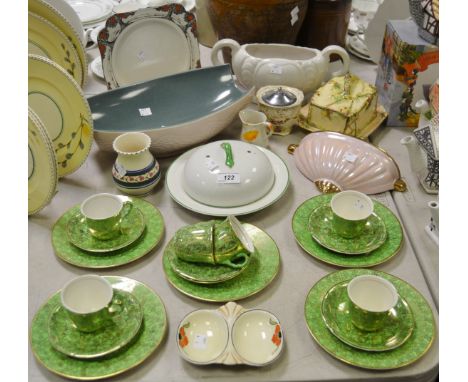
221, 283
379, 242
54, 35
92, 12
58, 105
406, 337
356, 45
137, 329
141, 230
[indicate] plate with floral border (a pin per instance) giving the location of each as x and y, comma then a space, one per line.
336, 315
263, 268
47, 11
151, 236
131, 228
63, 109
129, 52
321, 228
144, 344
175, 175
42, 165
412, 350
123, 327
392, 245
46, 40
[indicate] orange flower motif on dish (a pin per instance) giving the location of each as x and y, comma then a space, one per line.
277, 336
250, 135
183, 339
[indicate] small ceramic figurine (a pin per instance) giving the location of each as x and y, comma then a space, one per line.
423, 148
214, 242
135, 171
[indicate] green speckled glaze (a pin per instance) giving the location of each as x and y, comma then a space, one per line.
211, 242
412, 350
321, 228
263, 267
73, 255
131, 228
199, 272
125, 324
150, 336
336, 314
300, 226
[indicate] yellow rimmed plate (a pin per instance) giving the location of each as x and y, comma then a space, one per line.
48, 12
63, 109
42, 166
46, 40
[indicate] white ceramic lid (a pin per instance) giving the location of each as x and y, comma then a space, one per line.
210, 179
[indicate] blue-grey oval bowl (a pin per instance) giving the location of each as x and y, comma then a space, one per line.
177, 111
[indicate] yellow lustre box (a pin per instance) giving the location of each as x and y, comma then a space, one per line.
347, 105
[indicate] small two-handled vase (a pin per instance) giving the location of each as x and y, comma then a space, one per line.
135, 171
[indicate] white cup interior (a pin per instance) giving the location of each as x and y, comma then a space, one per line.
86, 294
372, 293
252, 336
207, 334
252, 117
352, 205
131, 143
101, 206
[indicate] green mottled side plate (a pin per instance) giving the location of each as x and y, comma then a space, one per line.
67, 339
199, 272
392, 245
412, 350
263, 267
76, 256
148, 339
321, 229
336, 315
131, 228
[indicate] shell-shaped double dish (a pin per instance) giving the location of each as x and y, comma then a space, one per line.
230, 335
337, 162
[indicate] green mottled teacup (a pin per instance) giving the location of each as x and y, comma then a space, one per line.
88, 302
351, 210
104, 213
373, 299
214, 242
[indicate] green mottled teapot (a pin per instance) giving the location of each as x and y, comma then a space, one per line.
214, 242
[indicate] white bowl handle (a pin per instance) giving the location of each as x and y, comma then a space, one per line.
335, 49
224, 43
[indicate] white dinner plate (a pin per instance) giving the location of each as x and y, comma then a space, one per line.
91, 11
69, 13
175, 175
358, 45
130, 52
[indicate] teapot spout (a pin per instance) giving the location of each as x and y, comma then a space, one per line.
414, 153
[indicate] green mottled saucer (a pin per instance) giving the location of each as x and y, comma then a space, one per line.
145, 342
131, 228
336, 315
321, 228
392, 245
413, 349
145, 243
200, 272
67, 339
263, 267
